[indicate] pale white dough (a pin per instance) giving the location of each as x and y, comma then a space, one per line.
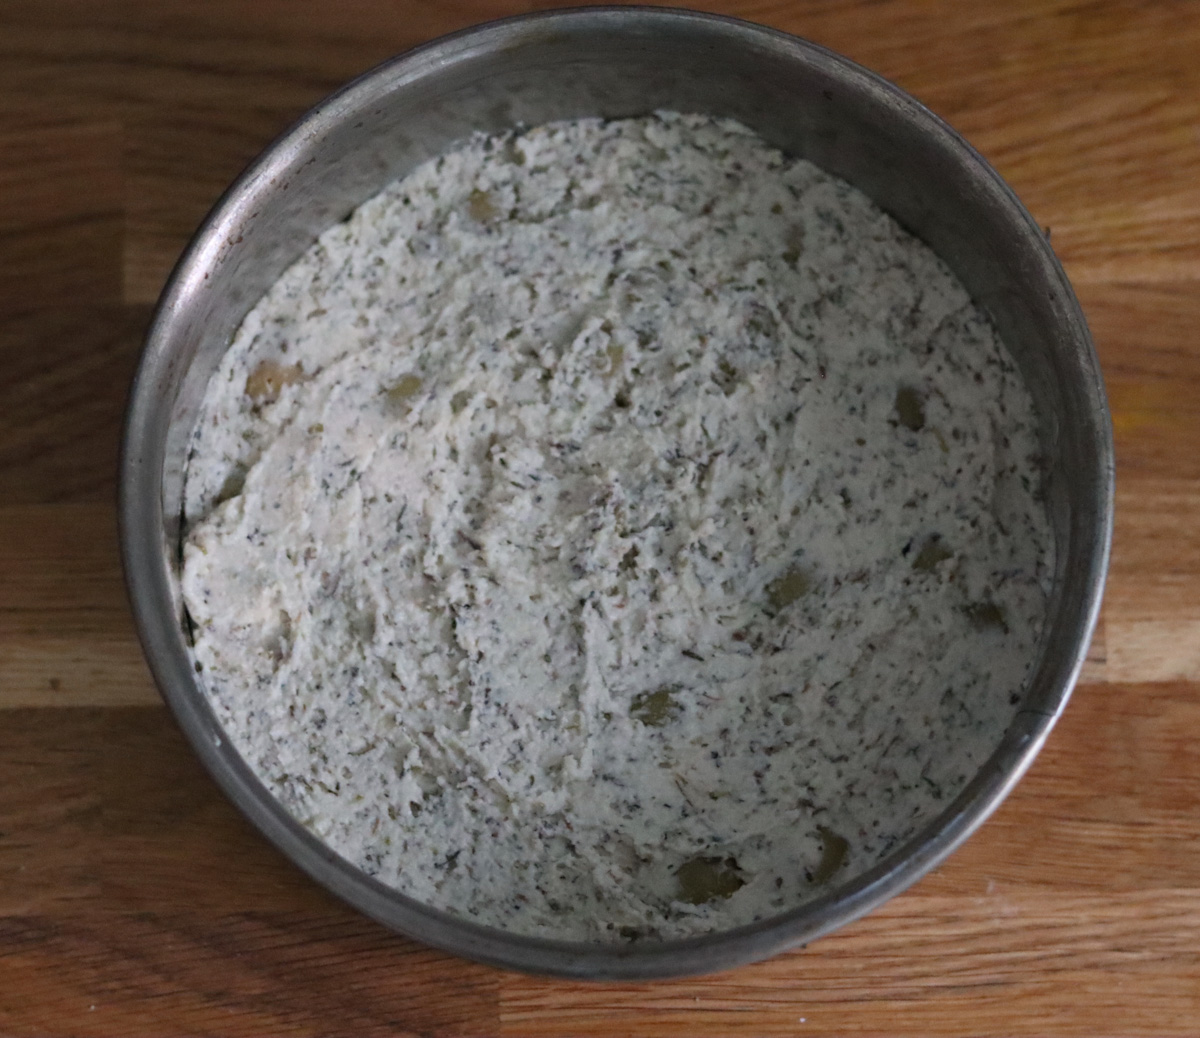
609, 500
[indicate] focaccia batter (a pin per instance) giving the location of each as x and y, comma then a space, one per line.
616, 530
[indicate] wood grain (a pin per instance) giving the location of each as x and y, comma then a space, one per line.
60, 215
66, 636
66, 371
133, 974
935, 965
134, 899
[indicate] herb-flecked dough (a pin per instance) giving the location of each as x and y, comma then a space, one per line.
616, 530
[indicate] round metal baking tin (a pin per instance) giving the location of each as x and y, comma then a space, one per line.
618, 62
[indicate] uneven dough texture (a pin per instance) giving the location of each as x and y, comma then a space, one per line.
612, 517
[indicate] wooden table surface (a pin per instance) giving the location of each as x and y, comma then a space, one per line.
135, 900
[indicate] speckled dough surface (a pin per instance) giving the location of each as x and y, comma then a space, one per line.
615, 530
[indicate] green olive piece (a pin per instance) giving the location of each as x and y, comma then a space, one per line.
655, 708
985, 616
706, 879
785, 590
481, 207
406, 387
930, 555
910, 409
833, 854
234, 483
266, 382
